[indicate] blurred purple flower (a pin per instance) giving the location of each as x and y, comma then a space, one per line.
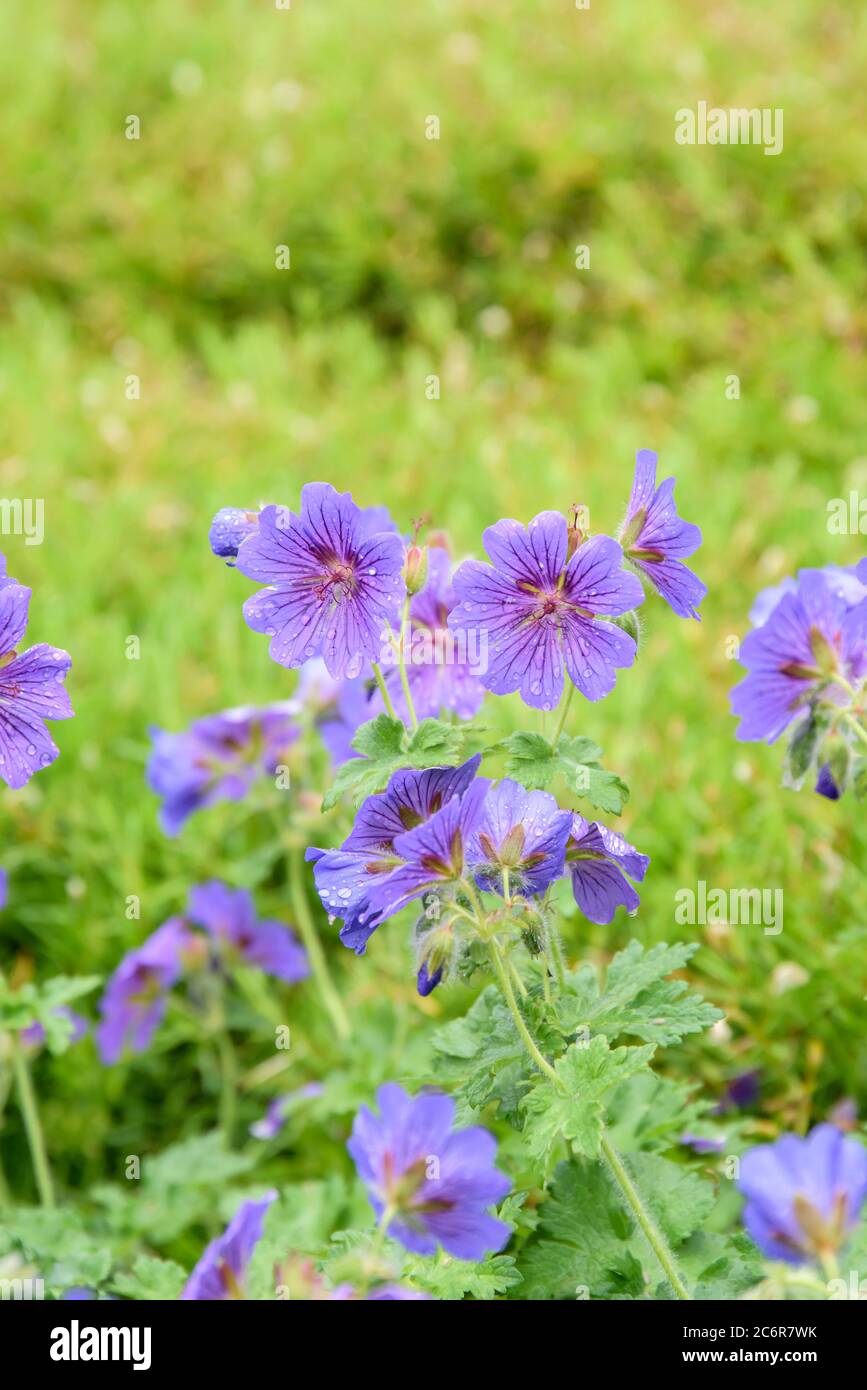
218, 758
34, 1034
333, 586
809, 640
31, 690
230, 916
443, 671
436, 1182
221, 1271
702, 1143
276, 1115
804, 1195
843, 582
4, 889
135, 999
741, 1093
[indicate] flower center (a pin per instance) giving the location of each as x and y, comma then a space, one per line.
339, 579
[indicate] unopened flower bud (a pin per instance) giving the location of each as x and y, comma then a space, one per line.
629, 623
415, 569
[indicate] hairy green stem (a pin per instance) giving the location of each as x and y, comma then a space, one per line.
557, 960
654, 1235
856, 728
32, 1124
383, 690
526, 1036
309, 935
630, 1192
401, 663
567, 701
228, 1084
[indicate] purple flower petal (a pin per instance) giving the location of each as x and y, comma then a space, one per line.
134, 1001
229, 915
220, 1272
599, 860
655, 538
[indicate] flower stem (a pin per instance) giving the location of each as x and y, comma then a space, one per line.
557, 960
526, 1036
655, 1238
228, 1084
383, 690
856, 728
570, 691
319, 965
633, 1198
32, 1125
404, 679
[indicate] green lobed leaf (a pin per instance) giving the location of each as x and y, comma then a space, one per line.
151, 1280
574, 1109
535, 763
449, 1279
636, 998
385, 746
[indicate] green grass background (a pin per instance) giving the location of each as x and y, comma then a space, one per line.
306, 127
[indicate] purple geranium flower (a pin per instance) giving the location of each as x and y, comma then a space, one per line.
333, 587
221, 1270
442, 669
346, 877
4, 888
436, 1183
31, 690
523, 832
135, 1000
229, 915
229, 528
431, 858
34, 1034
656, 540
803, 1195
218, 758
841, 580
810, 641
537, 609
599, 860
276, 1115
